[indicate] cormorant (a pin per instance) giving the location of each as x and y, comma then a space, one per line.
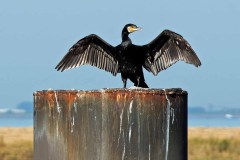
127, 58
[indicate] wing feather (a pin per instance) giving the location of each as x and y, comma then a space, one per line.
165, 50
91, 50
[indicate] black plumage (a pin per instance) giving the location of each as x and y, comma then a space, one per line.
127, 58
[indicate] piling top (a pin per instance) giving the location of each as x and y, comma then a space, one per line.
170, 91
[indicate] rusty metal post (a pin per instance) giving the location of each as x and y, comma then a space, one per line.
110, 124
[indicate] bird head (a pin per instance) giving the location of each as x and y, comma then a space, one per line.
130, 28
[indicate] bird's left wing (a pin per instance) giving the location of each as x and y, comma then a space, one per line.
166, 49
90, 50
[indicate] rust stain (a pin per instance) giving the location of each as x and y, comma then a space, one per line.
69, 97
50, 97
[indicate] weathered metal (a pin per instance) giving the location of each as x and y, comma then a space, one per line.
110, 124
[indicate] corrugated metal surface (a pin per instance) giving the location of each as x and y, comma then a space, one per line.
110, 124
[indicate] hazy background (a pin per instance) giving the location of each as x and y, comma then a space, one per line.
35, 35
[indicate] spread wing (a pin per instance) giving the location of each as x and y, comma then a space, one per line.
166, 49
91, 50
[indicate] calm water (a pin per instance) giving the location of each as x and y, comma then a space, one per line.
16, 122
193, 121
213, 122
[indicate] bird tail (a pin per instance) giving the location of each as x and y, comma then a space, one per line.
142, 84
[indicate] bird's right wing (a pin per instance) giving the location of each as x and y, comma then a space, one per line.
90, 50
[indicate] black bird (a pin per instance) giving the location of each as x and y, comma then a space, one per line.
127, 58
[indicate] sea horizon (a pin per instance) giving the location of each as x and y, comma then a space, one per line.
194, 120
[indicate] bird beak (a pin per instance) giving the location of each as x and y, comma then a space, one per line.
137, 29
132, 29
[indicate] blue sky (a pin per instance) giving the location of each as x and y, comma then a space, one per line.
35, 35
